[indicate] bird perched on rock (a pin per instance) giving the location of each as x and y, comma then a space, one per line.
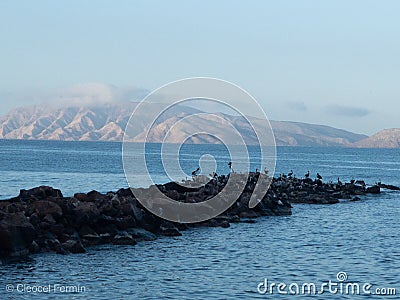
214, 175
307, 174
195, 172
339, 183
230, 166
290, 174
319, 176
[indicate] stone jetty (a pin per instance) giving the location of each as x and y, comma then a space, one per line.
43, 220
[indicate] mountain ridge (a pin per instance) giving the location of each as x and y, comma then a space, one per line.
386, 138
107, 122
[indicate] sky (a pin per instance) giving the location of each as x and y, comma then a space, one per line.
326, 62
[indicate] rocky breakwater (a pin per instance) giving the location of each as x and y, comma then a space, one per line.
309, 191
43, 220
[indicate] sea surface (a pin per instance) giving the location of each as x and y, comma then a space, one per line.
312, 246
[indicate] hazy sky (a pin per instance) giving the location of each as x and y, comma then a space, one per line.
328, 62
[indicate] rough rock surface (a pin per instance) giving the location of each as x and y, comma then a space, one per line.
42, 219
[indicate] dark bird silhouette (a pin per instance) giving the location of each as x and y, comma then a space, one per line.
352, 181
307, 174
339, 182
214, 175
360, 182
319, 176
266, 171
230, 166
195, 172
290, 174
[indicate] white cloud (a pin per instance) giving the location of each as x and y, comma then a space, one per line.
84, 94
95, 93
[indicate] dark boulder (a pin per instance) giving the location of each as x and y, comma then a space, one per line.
16, 234
39, 193
46, 207
150, 222
308, 181
81, 197
105, 224
106, 237
73, 246
125, 222
53, 244
124, 238
168, 229
233, 218
84, 213
125, 192
57, 229
34, 219
49, 219
282, 210
218, 222
92, 239
140, 234
181, 226
373, 189
389, 187
14, 207
34, 247
94, 196
85, 230
177, 187
249, 214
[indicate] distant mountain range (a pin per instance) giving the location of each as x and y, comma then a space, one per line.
107, 122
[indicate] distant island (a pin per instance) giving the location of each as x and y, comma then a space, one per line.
107, 123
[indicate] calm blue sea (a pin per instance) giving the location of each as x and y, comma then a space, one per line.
313, 245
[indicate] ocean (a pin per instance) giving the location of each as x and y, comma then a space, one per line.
313, 245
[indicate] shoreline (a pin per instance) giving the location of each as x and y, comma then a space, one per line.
43, 220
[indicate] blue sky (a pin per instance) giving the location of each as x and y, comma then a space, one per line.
328, 62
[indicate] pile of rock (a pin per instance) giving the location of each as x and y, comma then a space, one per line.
43, 220
297, 190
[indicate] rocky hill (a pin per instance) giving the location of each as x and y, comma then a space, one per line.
388, 138
107, 122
